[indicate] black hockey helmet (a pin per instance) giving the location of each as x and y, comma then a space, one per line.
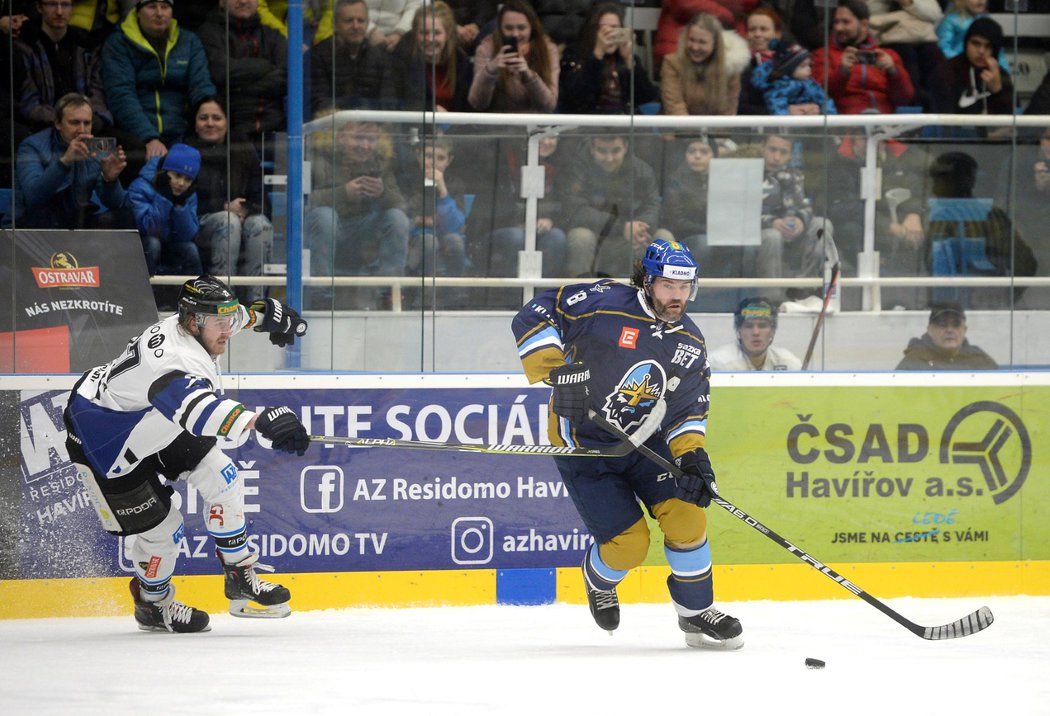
755, 307
207, 296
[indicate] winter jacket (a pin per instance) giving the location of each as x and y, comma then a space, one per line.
51, 195
923, 354
784, 195
959, 89
318, 13
338, 80
95, 17
581, 83
150, 96
685, 203
216, 186
411, 79
866, 88
951, 36
332, 170
603, 202
498, 201
676, 14
562, 19
36, 105
783, 92
391, 15
681, 99
257, 60
490, 92
752, 99
157, 212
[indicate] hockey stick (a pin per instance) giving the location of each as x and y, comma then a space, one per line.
625, 447
969, 624
829, 290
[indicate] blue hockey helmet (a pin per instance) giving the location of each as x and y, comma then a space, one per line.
670, 259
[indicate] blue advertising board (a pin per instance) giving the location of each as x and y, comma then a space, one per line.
335, 509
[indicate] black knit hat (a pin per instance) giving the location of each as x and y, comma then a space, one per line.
142, 3
990, 30
787, 58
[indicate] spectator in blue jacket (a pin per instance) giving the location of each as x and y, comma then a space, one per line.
787, 83
165, 206
153, 73
439, 219
63, 181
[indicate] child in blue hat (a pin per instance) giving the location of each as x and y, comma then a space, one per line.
164, 201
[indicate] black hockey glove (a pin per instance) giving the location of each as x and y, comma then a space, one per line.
280, 321
570, 383
281, 427
697, 486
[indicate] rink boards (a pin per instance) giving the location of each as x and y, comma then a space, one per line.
908, 484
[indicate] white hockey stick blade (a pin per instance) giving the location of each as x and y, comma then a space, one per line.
970, 624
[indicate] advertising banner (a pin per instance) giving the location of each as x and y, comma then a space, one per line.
76, 295
852, 474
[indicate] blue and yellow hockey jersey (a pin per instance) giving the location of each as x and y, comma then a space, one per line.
634, 359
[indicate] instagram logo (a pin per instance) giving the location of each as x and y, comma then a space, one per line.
472, 540
321, 489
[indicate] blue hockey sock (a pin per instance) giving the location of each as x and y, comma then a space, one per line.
598, 573
690, 580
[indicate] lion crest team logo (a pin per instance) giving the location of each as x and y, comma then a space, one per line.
66, 272
636, 394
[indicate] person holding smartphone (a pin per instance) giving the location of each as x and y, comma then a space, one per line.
517, 66
68, 179
599, 74
862, 76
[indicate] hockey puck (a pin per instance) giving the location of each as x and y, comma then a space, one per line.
814, 663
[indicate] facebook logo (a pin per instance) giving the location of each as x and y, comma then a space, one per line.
321, 489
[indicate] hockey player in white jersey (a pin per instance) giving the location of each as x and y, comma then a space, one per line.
158, 410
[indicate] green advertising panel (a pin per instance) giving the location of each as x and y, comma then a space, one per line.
882, 474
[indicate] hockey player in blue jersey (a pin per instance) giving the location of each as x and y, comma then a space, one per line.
158, 410
617, 350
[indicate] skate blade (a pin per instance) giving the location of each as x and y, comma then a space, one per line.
162, 630
703, 641
245, 609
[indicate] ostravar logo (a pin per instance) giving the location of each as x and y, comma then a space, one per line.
66, 272
993, 437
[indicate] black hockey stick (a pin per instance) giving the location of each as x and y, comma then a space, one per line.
625, 447
829, 291
969, 624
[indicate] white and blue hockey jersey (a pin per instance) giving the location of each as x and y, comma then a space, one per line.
164, 383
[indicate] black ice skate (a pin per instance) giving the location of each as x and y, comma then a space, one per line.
711, 629
167, 614
243, 585
605, 607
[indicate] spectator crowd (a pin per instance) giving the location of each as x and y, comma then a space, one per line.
159, 115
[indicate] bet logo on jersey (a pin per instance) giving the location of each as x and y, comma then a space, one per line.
637, 392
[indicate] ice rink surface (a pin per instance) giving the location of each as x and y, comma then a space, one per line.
536, 660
